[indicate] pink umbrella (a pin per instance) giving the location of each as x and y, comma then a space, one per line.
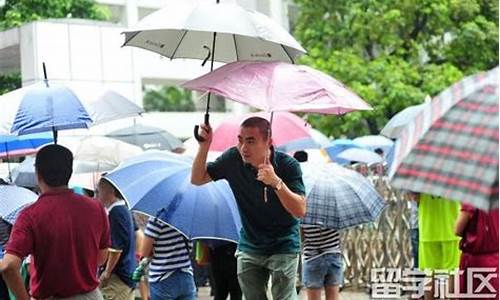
287, 127
278, 86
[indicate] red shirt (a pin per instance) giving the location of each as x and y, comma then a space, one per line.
63, 232
486, 260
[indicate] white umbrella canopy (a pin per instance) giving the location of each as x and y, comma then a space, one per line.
185, 29
100, 103
98, 153
24, 175
92, 156
398, 122
13, 198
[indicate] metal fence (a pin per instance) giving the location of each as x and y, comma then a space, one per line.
383, 244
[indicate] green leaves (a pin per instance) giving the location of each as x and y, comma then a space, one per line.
168, 99
17, 12
394, 52
9, 82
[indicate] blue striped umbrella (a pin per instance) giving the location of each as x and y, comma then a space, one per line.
42, 107
11, 145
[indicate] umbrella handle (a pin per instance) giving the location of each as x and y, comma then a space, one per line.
196, 129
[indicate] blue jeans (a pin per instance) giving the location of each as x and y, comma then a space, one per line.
325, 270
414, 246
178, 286
254, 272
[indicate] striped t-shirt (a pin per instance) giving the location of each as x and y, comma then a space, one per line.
170, 251
319, 240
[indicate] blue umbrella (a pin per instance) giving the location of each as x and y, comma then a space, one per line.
339, 198
373, 142
11, 145
338, 146
161, 186
50, 109
42, 107
300, 144
359, 155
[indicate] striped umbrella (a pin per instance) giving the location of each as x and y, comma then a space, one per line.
14, 146
451, 148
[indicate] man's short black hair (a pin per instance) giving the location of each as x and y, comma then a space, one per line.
300, 156
54, 164
260, 123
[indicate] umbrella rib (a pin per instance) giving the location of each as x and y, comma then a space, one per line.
288, 54
130, 38
178, 44
235, 47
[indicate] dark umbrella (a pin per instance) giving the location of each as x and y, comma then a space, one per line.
147, 137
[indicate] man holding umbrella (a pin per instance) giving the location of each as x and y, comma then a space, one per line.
270, 239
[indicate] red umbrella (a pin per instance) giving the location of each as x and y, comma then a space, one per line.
287, 127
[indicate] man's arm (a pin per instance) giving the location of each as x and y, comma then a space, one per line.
461, 223
199, 174
10, 268
113, 257
147, 246
294, 203
20, 245
102, 256
105, 241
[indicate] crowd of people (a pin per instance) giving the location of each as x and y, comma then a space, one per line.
79, 248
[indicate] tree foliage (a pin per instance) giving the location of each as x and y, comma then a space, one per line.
17, 12
394, 52
168, 99
9, 82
